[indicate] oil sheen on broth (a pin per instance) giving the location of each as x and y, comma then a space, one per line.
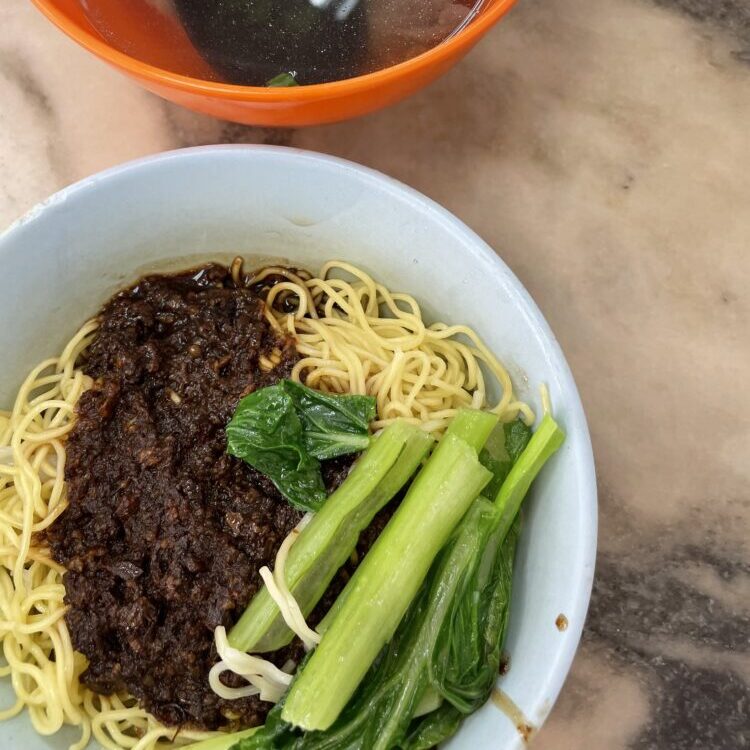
252, 41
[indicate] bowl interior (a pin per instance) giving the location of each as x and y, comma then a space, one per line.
70, 253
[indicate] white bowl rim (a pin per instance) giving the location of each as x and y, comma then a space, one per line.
482, 252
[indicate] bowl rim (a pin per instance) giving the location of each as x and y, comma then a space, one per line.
481, 254
234, 92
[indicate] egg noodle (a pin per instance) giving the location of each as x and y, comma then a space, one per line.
359, 337
264, 678
352, 336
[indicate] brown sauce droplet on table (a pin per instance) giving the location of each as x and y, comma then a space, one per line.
513, 712
561, 623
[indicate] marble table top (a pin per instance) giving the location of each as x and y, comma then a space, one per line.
603, 148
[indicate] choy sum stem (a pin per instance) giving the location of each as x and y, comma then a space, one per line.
448, 644
381, 590
331, 536
223, 741
547, 438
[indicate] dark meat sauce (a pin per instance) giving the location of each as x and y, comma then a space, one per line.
165, 532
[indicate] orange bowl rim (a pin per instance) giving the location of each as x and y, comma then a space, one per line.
467, 36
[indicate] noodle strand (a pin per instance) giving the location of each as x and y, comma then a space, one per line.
358, 337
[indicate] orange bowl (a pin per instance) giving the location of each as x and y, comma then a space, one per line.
150, 63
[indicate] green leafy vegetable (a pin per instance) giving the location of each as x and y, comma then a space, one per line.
544, 442
282, 80
517, 436
466, 658
429, 731
331, 536
266, 432
284, 429
379, 717
449, 641
368, 611
501, 451
333, 425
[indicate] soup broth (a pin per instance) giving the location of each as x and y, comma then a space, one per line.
252, 42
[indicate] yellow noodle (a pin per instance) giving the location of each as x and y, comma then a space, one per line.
358, 337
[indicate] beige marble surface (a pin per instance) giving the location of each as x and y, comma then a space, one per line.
603, 148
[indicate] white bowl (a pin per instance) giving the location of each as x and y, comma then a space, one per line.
66, 256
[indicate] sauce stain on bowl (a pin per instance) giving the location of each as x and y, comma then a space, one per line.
504, 702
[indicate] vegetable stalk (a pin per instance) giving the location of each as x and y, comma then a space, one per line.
331, 536
371, 606
547, 438
224, 741
379, 716
473, 427
448, 645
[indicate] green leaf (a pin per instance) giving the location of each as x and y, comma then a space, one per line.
334, 425
466, 659
429, 731
284, 430
275, 733
379, 716
502, 449
449, 641
266, 432
517, 436
282, 80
